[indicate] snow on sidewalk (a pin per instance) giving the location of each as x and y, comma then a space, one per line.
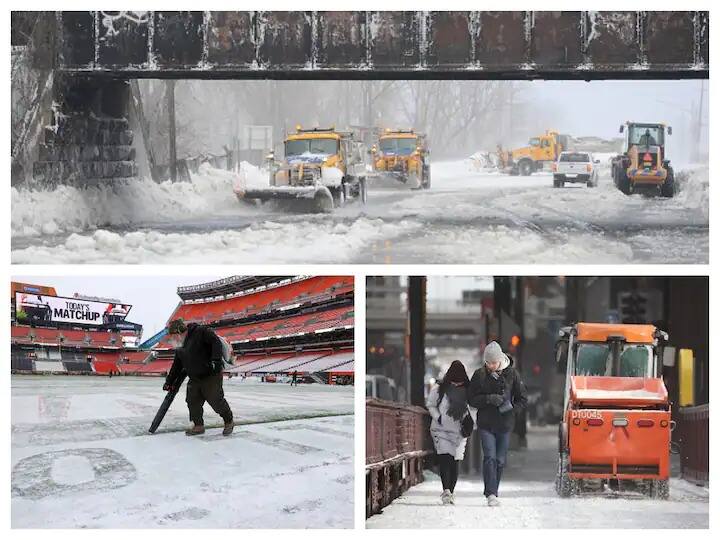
81, 457
533, 504
528, 500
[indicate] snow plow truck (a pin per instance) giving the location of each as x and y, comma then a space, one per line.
402, 156
615, 431
643, 165
540, 151
324, 167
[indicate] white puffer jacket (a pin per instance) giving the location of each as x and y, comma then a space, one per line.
447, 436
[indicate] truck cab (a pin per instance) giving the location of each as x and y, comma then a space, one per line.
404, 156
324, 165
541, 150
616, 424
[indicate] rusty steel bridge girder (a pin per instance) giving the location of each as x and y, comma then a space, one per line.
389, 44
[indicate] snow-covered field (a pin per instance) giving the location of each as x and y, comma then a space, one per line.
528, 500
467, 216
82, 458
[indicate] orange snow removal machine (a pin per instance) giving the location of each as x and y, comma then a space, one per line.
615, 431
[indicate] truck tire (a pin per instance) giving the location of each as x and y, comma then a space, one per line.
667, 189
426, 177
526, 167
622, 181
363, 190
564, 485
659, 489
561, 437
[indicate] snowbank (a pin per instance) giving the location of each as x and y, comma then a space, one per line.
693, 189
258, 243
71, 209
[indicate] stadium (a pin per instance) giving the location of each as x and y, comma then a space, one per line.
277, 326
86, 385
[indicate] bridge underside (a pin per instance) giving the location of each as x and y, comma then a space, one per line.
385, 45
87, 121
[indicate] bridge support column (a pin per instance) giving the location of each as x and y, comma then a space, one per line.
416, 313
89, 140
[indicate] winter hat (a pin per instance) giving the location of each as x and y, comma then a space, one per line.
456, 373
493, 353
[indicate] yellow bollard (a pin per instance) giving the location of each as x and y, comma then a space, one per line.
686, 377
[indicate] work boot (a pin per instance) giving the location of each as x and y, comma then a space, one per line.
445, 497
228, 429
493, 500
197, 429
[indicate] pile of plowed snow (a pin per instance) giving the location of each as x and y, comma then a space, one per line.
693, 188
300, 241
71, 209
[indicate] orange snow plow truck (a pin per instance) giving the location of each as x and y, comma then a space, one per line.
615, 431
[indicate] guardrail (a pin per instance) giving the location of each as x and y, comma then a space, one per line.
397, 442
693, 426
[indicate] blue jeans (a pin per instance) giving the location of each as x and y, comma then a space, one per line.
494, 447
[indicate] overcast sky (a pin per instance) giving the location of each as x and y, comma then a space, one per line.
599, 107
153, 298
451, 287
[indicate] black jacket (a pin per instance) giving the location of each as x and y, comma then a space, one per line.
199, 356
509, 385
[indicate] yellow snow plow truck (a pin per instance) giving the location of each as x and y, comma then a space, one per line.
324, 167
541, 150
643, 165
402, 156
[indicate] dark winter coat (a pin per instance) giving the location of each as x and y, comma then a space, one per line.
200, 355
509, 385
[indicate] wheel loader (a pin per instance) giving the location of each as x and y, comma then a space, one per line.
643, 165
323, 168
540, 151
402, 156
615, 431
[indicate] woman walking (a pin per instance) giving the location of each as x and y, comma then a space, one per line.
497, 392
451, 424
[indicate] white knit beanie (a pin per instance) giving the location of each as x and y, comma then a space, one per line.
493, 353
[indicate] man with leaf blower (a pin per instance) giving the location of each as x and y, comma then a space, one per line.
201, 359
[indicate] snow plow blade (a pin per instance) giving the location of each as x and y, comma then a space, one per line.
319, 197
400, 179
284, 193
631, 392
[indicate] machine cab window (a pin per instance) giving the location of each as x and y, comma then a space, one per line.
596, 360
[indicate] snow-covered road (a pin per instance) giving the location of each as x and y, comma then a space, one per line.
466, 217
528, 500
81, 457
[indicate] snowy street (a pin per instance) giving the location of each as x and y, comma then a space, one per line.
466, 217
82, 457
528, 500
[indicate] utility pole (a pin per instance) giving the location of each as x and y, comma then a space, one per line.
172, 150
698, 127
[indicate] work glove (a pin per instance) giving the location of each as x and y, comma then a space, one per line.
495, 400
168, 387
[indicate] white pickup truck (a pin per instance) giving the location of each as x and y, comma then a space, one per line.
575, 167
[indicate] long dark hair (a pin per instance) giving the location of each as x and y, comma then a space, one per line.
455, 374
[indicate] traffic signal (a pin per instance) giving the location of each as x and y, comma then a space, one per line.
633, 307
